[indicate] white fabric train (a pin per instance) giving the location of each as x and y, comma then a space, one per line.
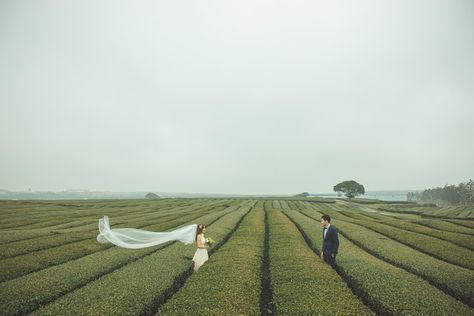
132, 238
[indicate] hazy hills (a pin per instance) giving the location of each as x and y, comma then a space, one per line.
399, 195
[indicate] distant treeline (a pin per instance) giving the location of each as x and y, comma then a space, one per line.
463, 193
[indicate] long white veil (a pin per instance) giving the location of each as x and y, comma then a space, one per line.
138, 238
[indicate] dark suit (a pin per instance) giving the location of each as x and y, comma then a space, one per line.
330, 246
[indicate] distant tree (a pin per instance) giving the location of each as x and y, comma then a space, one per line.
452, 194
304, 195
413, 196
470, 191
152, 196
350, 188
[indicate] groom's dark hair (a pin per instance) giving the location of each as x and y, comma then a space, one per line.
326, 218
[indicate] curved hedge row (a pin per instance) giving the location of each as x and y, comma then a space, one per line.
435, 247
42, 243
454, 280
11, 268
78, 219
43, 218
444, 225
388, 289
465, 223
49, 284
138, 287
462, 240
302, 284
229, 283
82, 219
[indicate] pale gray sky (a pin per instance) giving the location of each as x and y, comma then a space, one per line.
257, 97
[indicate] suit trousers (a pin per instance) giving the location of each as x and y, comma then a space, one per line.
330, 259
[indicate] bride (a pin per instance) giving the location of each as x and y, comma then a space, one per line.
200, 256
132, 238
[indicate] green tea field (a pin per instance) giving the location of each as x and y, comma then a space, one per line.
394, 259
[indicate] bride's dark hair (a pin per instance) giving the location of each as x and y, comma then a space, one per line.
199, 230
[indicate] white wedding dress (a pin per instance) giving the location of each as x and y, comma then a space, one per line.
200, 256
132, 238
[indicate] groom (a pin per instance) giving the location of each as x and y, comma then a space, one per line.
330, 241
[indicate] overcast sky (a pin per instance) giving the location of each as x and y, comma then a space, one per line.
247, 97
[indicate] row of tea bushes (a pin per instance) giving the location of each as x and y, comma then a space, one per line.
229, 283
445, 225
462, 240
465, 223
38, 207
387, 288
27, 293
138, 287
19, 234
73, 218
39, 210
72, 223
454, 280
42, 243
11, 268
22, 247
440, 249
25, 246
302, 284
459, 211
435, 247
45, 221
88, 222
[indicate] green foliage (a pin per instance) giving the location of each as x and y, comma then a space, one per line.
37, 260
303, 195
138, 286
152, 196
431, 210
454, 194
87, 232
464, 223
462, 240
350, 188
399, 264
448, 277
437, 248
387, 289
26, 246
49, 284
302, 284
230, 279
445, 225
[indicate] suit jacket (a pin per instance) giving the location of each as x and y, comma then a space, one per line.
331, 242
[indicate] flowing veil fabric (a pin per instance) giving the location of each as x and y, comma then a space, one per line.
138, 238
